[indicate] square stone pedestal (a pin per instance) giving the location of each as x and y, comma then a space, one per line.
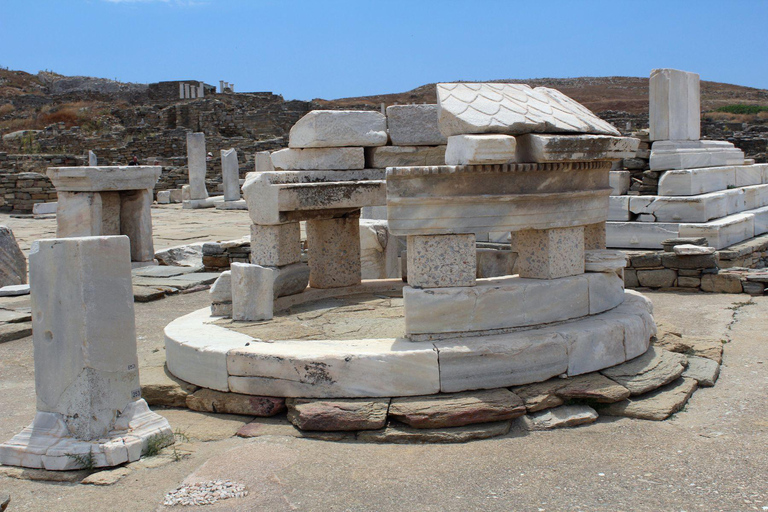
550, 253
439, 261
103, 201
334, 252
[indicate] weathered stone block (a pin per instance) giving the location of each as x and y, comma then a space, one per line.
674, 105
275, 245
252, 292
336, 128
414, 125
338, 414
480, 149
456, 410
13, 264
438, 261
721, 283
319, 159
334, 252
550, 253
659, 278
209, 400
404, 156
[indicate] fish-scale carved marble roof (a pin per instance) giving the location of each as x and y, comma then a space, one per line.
512, 109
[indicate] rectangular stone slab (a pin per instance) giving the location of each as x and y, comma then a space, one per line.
414, 125
666, 155
565, 148
500, 361
319, 158
361, 368
107, 178
270, 195
700, 208
337, 128
690, 182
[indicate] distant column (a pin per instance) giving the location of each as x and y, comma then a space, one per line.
196, 163
92, 160
230, 174
674, 105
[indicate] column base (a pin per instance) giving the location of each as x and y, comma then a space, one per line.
47, 444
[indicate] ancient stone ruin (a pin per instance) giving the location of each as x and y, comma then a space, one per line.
89, 406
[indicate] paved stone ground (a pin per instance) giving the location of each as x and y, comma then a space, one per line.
710, 456
171, 226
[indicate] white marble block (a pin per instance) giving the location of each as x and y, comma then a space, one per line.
620, 182
164, 197
230, 174
262, 162
568, 148
550, 253
667, 155
378, 251
674, 110
414, 125
252, 292
338, 128
319, 159
221, 295
136, 223
480, 149
512, 109
275, 245
439, 261
86, 364
196, 164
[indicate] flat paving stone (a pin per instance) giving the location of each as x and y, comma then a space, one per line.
338, 414
457, 409
165, 271
657, 405
560, 417
705, 371
555, 392
13, 316
399, 433
147, 293
15, 331
14, 290
651, 370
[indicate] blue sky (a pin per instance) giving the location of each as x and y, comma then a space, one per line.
332, 49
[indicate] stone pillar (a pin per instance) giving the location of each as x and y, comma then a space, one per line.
674, 105
197, 165
136, 223
200, 90
93, 161
230, 174
334, 252
439, 261
252, 292
181, 91
550, 253
186, 91
88, 214
86, 364
594, 236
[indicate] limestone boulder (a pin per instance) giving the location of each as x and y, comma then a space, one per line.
457, 409
651, 370
338, 414
560, 417
338, 128
181, 256
658, 405
13, 264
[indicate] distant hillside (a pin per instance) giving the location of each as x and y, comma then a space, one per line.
599, 94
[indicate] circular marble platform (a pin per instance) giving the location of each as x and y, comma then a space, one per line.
201, 351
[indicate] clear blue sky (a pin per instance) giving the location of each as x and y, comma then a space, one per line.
331, 49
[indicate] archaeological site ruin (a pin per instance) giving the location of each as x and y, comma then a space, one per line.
495, 263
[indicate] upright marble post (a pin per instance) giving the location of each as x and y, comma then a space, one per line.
674, 105
86, 364
196, 163
230, 174
93, 161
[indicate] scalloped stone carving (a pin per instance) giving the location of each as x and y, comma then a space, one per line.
512, 109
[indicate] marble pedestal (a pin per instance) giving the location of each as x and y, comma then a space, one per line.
103, 201
86, 367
